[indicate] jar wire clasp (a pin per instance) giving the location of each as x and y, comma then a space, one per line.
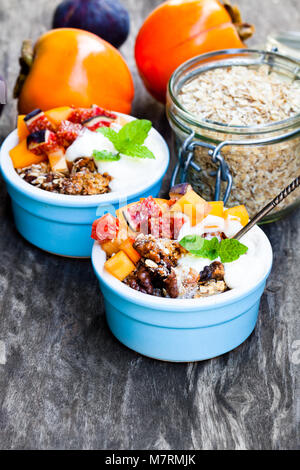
186, 160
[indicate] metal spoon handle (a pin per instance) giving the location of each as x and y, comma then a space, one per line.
277, 200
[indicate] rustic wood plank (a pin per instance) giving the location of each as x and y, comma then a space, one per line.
65, 382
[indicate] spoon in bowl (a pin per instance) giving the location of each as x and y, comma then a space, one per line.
269, 207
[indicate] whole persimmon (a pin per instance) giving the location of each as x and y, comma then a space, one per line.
72, 67
178, 30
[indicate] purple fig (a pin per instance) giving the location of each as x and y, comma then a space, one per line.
41, 141
179, 190
106, 18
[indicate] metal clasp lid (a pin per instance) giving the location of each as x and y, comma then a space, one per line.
185, 161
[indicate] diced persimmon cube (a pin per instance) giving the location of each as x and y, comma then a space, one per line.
127, 247
57, 115
192, 205
239, 212
22, 128
57, 160
120, 266
111, 247
22, 157
216, 208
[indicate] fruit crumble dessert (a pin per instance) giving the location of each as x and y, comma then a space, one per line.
85, 151
178, 248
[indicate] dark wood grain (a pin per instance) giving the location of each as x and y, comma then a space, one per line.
66, 383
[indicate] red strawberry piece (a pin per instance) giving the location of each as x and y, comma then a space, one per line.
68, 132
106, 228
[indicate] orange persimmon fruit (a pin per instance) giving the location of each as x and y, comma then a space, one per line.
127, 247
120, 265
216, 208
239, 212
178, 30
193, 206
22, 128
57, 115
22, 157
72, 67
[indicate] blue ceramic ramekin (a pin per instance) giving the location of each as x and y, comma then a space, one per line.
181, 330
59, 223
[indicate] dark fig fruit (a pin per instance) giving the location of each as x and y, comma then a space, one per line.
37, 121
106, 18
98, 121
179, 190
31, 117
42, 141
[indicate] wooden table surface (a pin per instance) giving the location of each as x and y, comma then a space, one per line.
66, 383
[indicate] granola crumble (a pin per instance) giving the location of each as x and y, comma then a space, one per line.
82, 180
156, 275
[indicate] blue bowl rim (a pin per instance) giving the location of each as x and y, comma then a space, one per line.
11, 177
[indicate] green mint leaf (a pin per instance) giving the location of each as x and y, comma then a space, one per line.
139, 151
231, 250
192, 243
201, 247
134, 132
211, 248
105, 156
112, 135
228, 250
130, 138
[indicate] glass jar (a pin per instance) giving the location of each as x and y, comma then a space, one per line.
286, 43
240, 164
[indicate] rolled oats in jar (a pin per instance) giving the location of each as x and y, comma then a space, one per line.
241, 107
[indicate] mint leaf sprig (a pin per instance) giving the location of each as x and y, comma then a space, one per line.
129, 140
105, 156
228, 250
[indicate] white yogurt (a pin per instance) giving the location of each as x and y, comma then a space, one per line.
243, 272
211, 224
249, 267
126, 172
86, 143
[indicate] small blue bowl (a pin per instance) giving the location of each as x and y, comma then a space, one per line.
181, 330
59, 223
